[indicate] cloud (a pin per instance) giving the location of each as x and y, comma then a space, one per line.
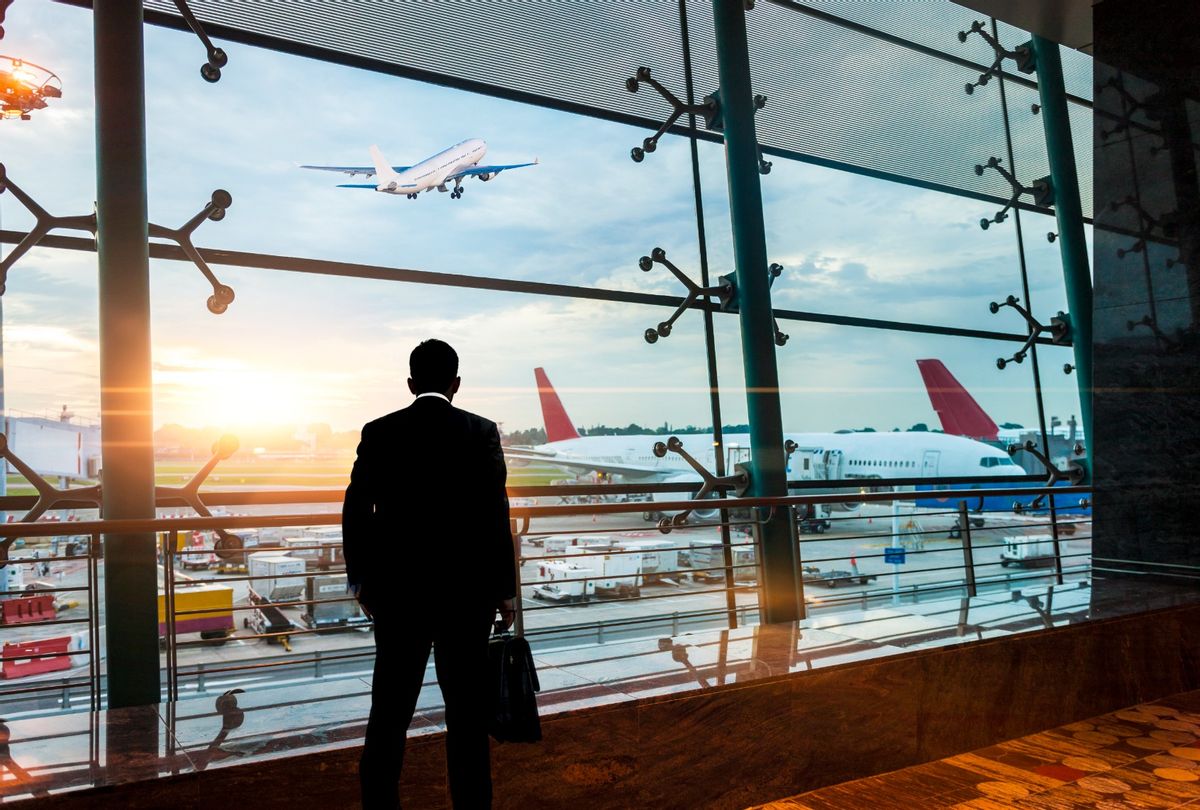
334, 349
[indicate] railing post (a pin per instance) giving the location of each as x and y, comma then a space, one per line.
1069, 213
130, 587
964, 520
782, 597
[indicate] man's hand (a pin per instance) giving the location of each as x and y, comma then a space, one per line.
508, 613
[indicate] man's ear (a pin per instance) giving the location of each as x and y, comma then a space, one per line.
412, 386
454, 385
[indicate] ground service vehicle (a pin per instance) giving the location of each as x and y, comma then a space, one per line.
834, 578
619, 574
1027, 550
578, 586
212, 599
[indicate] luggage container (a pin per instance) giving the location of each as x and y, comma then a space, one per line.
197, 552
707, 556
212, 598
618, 574
1027, 550
320, 553
556, 590
276, 577
321, 611
660, 558
567, 543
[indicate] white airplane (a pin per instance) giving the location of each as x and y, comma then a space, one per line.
818, 456
448, 166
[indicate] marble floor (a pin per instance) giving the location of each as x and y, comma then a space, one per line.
1146, 756
69, 751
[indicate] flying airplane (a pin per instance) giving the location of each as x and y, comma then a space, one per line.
448, 166
858, 457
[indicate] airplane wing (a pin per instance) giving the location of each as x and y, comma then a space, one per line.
371, 186
579, 465
488, 172
365, 171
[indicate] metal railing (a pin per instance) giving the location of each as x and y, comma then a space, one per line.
35, 650
573, 599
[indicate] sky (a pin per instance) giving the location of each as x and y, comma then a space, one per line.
305, 349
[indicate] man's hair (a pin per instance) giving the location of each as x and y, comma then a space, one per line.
433, 365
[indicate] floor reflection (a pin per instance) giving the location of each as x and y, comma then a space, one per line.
40, 756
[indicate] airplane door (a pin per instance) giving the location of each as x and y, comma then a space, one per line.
735, 454
929, 467
833, 464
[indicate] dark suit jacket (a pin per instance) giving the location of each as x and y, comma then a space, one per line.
426, 512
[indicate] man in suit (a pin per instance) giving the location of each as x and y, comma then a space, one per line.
429, 555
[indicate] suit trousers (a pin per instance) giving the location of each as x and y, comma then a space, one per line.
458, 636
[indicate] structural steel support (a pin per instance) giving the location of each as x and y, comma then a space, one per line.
782, 597
1069, 212
130, 578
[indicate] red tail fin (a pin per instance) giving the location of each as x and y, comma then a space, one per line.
958, 410
554, 415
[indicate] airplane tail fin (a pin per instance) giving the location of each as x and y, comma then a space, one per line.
554, 415
383, 172
958, 410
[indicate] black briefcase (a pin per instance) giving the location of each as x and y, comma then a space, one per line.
515, 686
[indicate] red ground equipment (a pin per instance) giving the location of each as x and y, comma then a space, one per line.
57, 652
26, 609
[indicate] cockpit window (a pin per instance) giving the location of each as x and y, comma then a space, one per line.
997, 461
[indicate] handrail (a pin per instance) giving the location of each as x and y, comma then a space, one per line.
258, 497
127, 526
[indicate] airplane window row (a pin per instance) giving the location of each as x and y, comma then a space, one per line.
883, 463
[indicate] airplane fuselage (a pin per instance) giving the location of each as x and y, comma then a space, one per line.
818, 455
432, 172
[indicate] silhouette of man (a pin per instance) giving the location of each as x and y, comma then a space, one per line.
429, 557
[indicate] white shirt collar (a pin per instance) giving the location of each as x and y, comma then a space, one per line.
433, 394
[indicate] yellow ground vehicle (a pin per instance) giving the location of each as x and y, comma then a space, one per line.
213, 600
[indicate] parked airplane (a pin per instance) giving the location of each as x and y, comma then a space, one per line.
448, 166
818, 456
961, 415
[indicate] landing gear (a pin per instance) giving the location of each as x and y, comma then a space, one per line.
456, 193
411, 196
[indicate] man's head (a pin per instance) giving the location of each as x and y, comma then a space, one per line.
433, 367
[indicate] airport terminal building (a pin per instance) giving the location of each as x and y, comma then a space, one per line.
853, 466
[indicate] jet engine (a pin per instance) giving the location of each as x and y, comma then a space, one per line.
485, 177
666, 497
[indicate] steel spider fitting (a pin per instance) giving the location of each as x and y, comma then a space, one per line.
709, 109
725, 291
217, 59
48, 495
1170, 344
214, 209
1059, 329
45, 222
739, 481
1074, 473
1042, 191
227, 545
1022, 55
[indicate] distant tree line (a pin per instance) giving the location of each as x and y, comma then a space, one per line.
534, 436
